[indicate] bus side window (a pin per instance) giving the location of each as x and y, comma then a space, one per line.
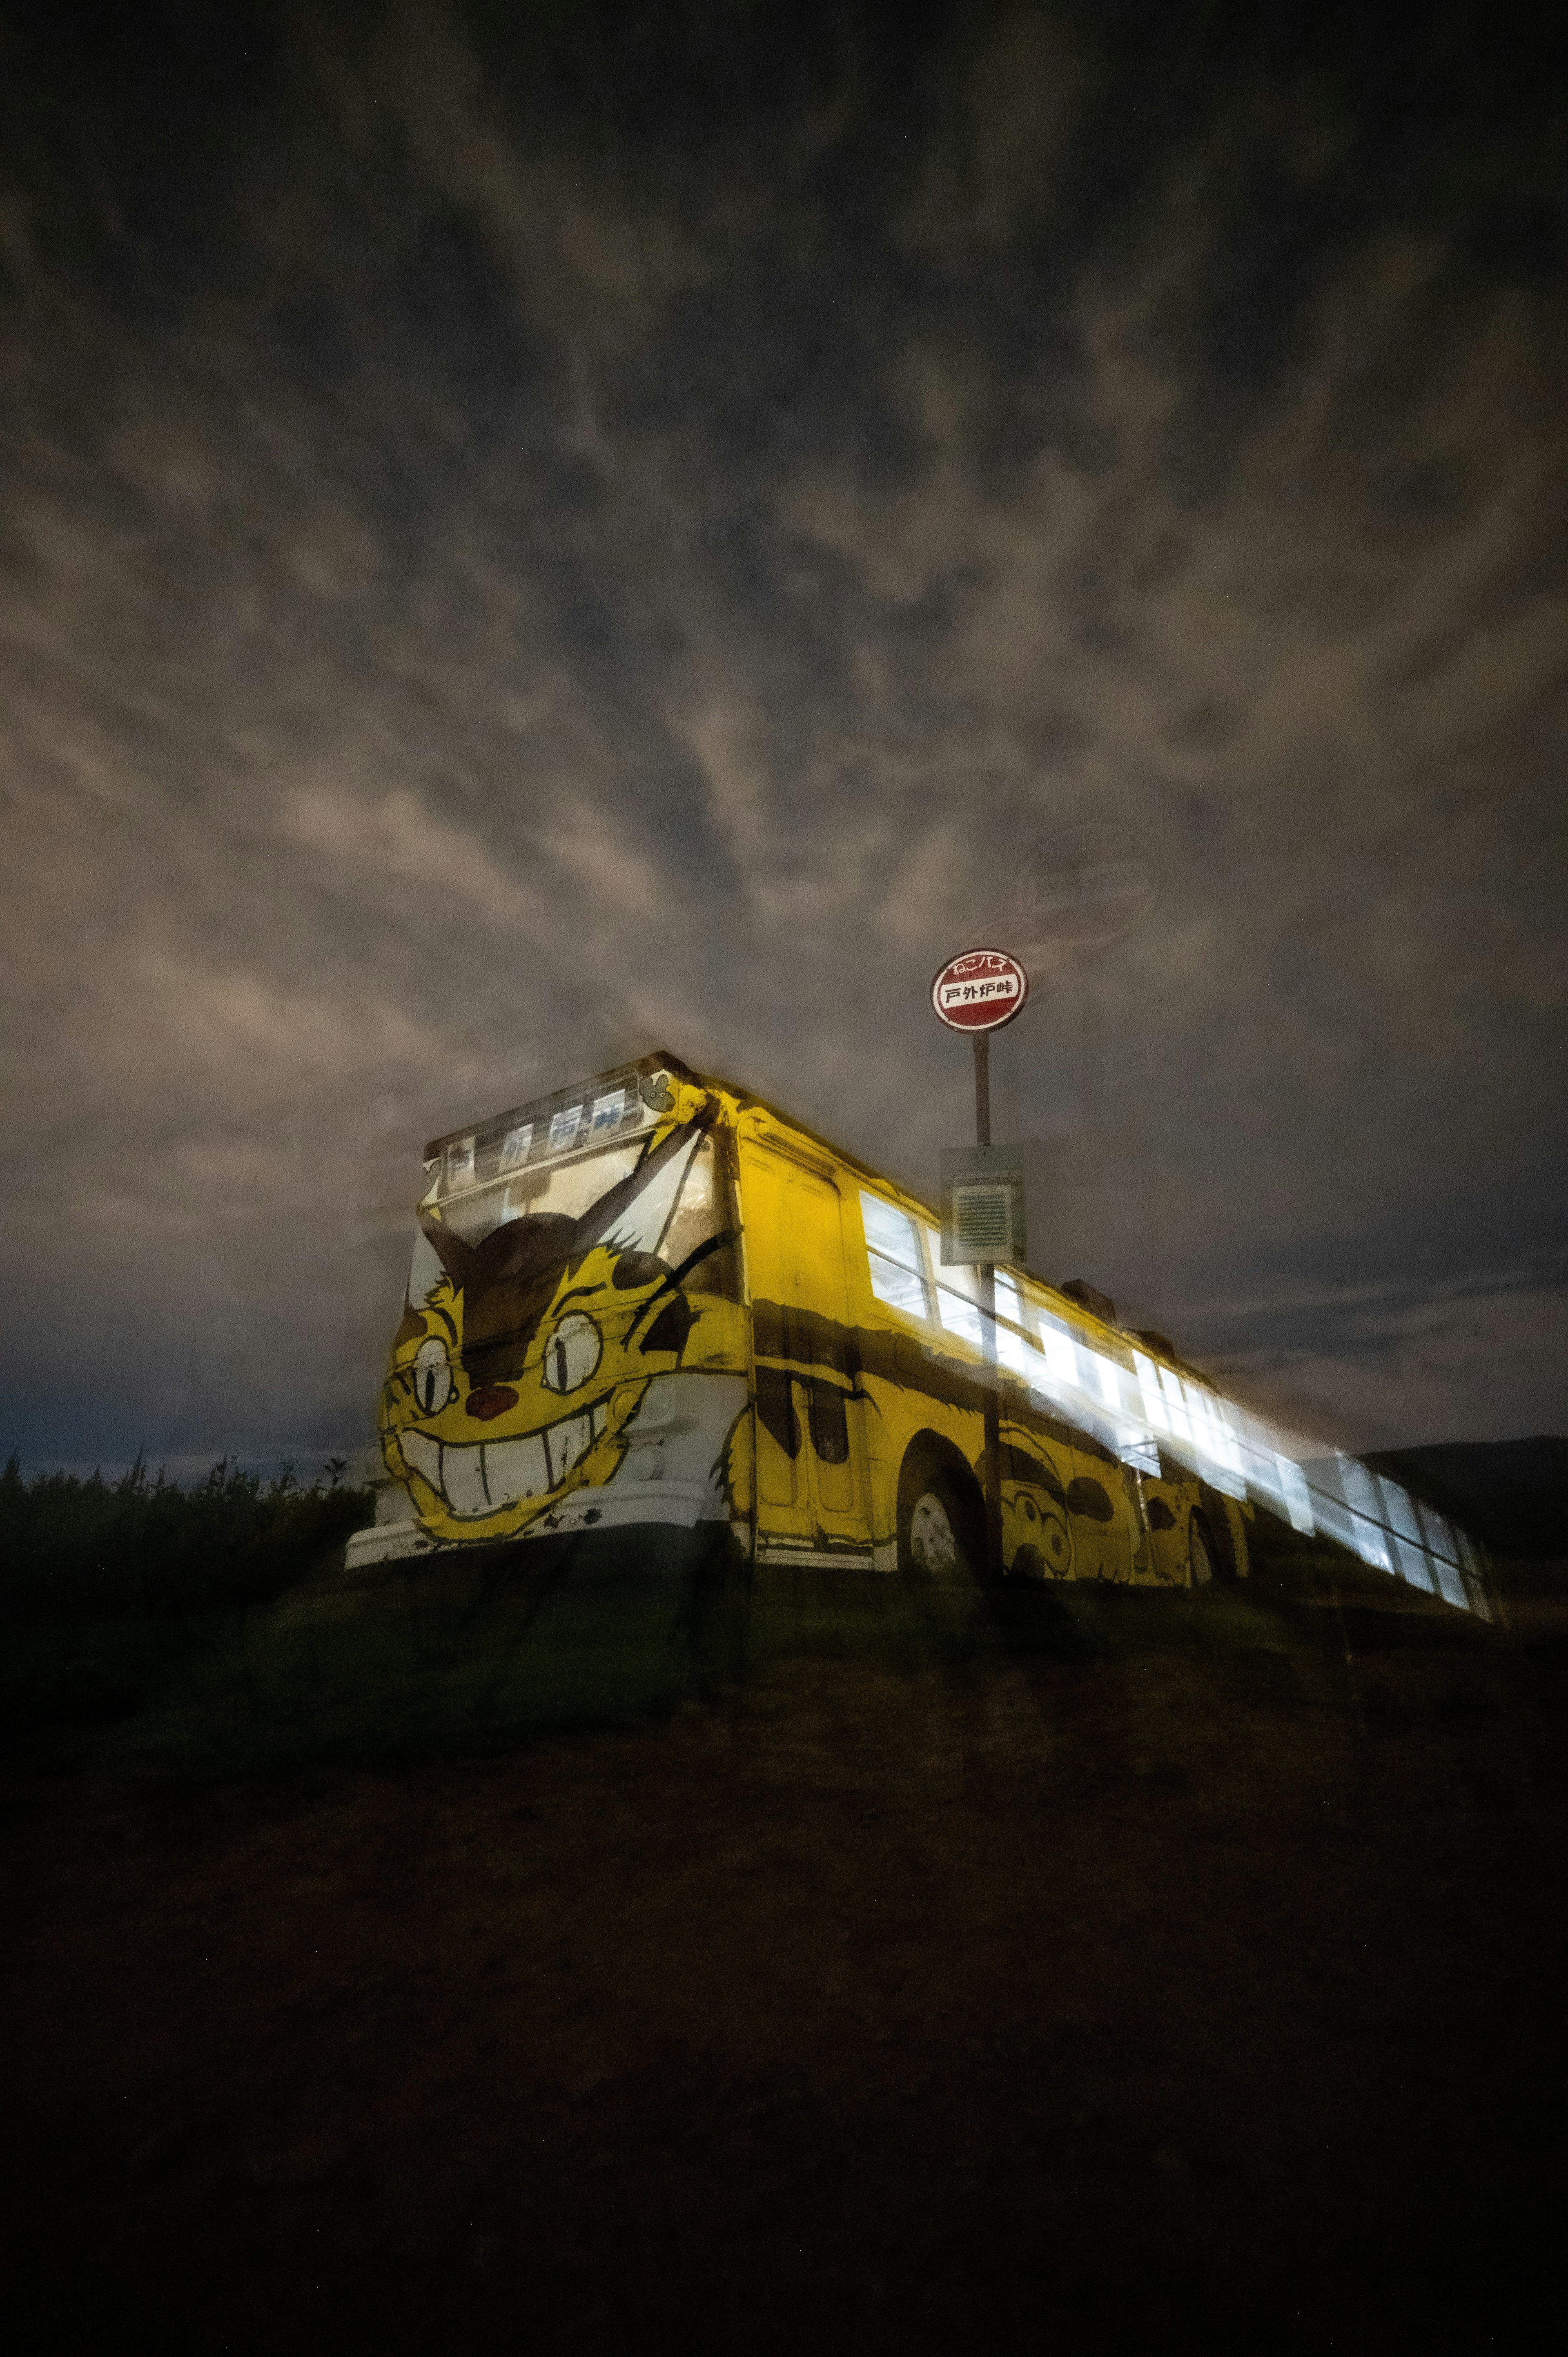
893, 1255
955, 1295
1023, 1356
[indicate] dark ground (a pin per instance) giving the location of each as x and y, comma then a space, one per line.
1164, 1972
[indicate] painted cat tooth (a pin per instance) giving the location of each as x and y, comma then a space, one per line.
566, 1442
423, 1456
516, 1469
463, 1477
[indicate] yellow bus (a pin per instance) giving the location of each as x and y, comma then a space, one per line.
653, 1299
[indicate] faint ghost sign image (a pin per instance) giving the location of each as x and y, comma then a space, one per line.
1083, 889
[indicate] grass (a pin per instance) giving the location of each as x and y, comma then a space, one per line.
446, 1660
250, 1669
1297, 1597
143, 1547
111, 1594
212, 1634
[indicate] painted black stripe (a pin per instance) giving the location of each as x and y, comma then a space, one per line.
804, 1339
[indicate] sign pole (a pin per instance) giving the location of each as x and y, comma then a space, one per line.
985, 1293
977, 992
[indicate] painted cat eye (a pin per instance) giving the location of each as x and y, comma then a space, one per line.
571, 1352
433, 1384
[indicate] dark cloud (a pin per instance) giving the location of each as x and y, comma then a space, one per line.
533, 533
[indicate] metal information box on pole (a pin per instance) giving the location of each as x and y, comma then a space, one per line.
982, 1193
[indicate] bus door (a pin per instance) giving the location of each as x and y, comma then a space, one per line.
810, 1442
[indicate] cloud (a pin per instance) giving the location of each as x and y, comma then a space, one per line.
209, 1016
398, 837
599, 856
801, 856
927, 889
1401, 1369
506, 571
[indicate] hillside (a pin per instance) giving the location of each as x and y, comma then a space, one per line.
1509, 1494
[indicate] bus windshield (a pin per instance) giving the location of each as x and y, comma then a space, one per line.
554, 1161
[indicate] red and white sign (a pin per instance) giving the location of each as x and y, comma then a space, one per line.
979, 991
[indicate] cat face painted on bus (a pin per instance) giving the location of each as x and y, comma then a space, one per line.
515, 1376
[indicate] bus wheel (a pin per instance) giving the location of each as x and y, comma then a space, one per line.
938, 1533
1202, 1563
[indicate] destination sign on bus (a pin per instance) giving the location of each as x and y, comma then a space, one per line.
979, 990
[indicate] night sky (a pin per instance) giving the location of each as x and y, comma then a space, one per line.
535, 534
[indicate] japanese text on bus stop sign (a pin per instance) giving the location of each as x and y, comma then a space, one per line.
979, 991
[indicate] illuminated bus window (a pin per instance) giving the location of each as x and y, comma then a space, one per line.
955, 1304
1370, 1540
1272, 1477
1023, 1358
1140, 1449
1442, 1554
1174, 1409
1109, 1383
1293, 1491
893, 1257
1151, 1400
1218, 1458
1059, 1348
1400, 1514
1450, 1583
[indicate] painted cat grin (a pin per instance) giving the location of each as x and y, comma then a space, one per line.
477, 1477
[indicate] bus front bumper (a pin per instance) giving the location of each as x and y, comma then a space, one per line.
624, 1505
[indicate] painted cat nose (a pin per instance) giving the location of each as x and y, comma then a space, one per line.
493, 1400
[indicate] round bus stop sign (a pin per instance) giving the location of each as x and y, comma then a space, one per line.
979, 991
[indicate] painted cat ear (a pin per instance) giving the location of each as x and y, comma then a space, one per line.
427, 1272
641, 1218
455, 1256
